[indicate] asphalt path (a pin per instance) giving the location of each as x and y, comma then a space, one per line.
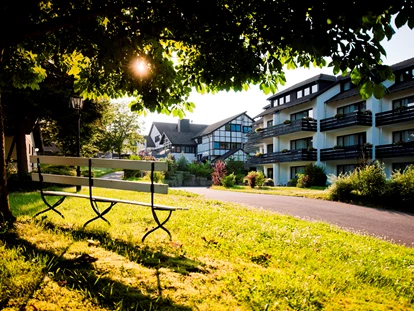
393, 226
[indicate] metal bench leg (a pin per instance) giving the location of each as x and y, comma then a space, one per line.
51, 207
98, 213
160, 225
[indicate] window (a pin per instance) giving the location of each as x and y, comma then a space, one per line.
247, 129
216, 145
343, 169
233, 127
270, 148
401, 166
314, 88
406, 75
306, 91
301, 143
281, 101
352, 140
270, 123
403, 136
177, 149
295, 170
346, 86
299, 94
221, 145
287, 98
352, 108
301, 115
403, 102
157, 138
235, 145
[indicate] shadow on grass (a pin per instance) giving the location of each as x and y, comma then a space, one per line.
142, 255
79, 274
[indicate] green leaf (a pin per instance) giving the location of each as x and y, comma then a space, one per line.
379, 91
366, 90
355, 76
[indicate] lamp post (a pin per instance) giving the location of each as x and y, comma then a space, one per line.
77, 103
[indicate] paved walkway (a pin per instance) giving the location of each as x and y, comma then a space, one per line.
390, 225
115, 175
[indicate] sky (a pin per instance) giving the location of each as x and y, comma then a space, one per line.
213, 108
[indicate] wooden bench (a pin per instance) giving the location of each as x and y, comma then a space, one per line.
92, 182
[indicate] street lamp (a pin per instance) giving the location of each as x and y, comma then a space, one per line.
77, 103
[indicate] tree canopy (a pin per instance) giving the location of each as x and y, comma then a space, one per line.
207, 45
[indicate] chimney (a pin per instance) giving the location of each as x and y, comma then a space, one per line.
183, 125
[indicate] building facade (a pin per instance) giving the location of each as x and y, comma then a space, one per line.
323, 120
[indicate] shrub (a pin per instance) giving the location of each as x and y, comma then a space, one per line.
219, 171
182, 163
317, 175
254, 179
200, 169
21, 182
235, 166
370, 181
158, 177
342, 189
132, 174
229, 180
303, 181
269, 182
172, 167
292, 182
402, 185
287, 122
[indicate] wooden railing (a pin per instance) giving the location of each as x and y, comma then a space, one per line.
349, 152
349, 119
394, 150
394, 116
278, 157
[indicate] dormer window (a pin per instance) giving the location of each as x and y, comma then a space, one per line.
281, 101
314, 88
287, 98
299, 94
306, 91
406, 75
347, 86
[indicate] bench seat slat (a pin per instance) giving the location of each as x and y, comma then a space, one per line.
104, 163
102, 183
102, 199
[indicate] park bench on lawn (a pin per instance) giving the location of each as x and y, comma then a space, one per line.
92, 182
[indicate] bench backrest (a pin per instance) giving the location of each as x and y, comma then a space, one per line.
102, 163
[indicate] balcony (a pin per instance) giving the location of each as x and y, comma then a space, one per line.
283, 129
349, 152
394, 150
287, 156
394, 116
346, 120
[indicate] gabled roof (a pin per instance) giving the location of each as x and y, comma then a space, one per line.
349, 93
177, 138
304, 83
211, 128
149, 142
404, 64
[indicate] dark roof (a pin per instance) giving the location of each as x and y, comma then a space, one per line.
401, 86
303, 83
349, 93
228, 154
179, 138
211, 128
401, 65
149, 142
164, 127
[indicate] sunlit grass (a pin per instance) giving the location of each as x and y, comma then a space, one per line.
223, 257
312, 193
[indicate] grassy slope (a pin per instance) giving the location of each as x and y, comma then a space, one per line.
223, 257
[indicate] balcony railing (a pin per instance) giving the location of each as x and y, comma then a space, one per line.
394, 150
283, 129
349, 119
349, 152
278, 157
394, 116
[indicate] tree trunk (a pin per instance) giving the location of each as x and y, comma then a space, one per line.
5, 213
21, 148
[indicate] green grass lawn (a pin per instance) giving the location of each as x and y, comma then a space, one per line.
312, 193
223, 257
